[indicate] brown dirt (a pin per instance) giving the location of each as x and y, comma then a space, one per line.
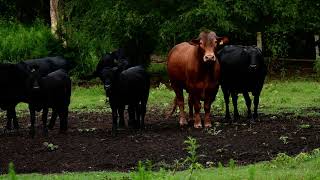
161, 142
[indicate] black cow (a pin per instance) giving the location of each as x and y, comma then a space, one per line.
49, 64
127, 87
110, 60
45, 66
242, 71
15, 80
51, 91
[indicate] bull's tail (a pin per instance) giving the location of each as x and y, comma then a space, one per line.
174, 107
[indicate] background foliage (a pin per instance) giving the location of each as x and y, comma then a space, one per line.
94, 27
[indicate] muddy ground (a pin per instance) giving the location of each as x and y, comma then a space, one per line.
87, 149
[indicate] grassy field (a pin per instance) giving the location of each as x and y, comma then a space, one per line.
297, 96
289, 96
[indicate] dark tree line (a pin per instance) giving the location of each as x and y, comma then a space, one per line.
93, 27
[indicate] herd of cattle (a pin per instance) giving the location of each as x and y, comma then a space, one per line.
198, 66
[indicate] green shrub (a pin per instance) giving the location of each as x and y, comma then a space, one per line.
19, 42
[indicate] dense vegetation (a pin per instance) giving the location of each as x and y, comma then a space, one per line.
92, 28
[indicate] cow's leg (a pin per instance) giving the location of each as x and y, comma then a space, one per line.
248, 103
53, 119
114, 120
121, 117
180, 102
209, 98
138, 115
63, 116
207, 107
9, 119
256, 104
44, 121
143, 113
14, 117
174, 107
131, 112
32, 120
131, 115
190, 104
226, 95
197, 107
234, 96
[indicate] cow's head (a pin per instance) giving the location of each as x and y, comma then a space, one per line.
255, 57
208, 42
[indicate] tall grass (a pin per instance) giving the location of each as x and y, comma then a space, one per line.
19, 42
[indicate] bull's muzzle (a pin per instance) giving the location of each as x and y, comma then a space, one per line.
208, 58
252, 67
107, 87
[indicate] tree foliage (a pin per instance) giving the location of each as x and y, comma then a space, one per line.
93, 27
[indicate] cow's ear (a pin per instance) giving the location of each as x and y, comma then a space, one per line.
223, 40
195, 42
115, 69
34, 68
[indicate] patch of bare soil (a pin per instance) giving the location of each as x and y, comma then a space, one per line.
89, 146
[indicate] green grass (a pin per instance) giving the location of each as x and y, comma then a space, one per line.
302, 166
299, 97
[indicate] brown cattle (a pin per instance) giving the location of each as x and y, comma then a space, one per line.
193, 66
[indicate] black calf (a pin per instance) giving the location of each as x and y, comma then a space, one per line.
53, 91
128, 87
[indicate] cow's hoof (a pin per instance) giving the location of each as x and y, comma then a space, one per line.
197, 126
32, 133
183, 122
208, 125
50, 127
45, 133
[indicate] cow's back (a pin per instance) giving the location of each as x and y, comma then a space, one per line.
235, 61
134, 85
182, 59
49, 64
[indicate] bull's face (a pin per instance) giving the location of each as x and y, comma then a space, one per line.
255, 59
107, 77
208, 42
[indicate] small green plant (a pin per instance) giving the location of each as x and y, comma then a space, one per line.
282, 159
213, 131
192, 157
304, 126
50, 146
316, 66
232, 163
252, 172
143, 172
12, 172
87, 130
284, 139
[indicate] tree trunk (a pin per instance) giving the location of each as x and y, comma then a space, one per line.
259, 40
54, 16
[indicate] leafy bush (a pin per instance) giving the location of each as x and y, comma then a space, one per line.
19, 42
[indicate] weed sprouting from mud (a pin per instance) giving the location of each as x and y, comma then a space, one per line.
284, 139
192, 157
